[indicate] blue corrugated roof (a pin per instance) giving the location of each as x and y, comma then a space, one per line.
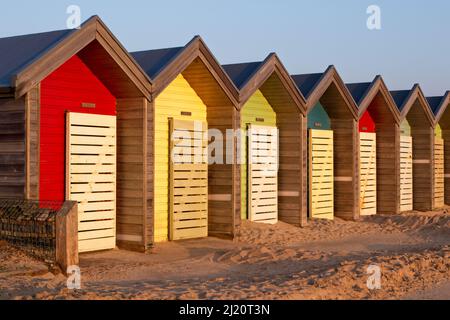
18, 52
358, 90
240, 73
307, 82
154, 61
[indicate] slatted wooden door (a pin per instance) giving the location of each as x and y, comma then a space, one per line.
188, 185
262, 173
438, 172
91, 178
406, 173
321, 174
368, 173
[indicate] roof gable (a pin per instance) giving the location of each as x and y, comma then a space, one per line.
252, 76
163, 65
315, 85
43, 53
405, 99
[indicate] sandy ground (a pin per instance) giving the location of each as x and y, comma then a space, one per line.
326, 260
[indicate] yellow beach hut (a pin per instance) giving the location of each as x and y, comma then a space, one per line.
191, 198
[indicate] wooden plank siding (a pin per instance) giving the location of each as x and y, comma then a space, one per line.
423, 149
12, 147
346, 153
222, 116
292, 130
388, 168
131, 172
387, 129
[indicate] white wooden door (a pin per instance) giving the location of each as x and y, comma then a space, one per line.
262, 174
438, 172
91, 178
321, 174
368, 173
188, 185
406, 174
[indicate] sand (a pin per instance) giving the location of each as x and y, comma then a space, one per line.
325, 260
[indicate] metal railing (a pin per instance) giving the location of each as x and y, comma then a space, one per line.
30, 226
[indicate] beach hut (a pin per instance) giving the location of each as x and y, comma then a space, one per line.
72, 108
333, 145
379, 130
439, 107
272, 121
416, 150
193, 98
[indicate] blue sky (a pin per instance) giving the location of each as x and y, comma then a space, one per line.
412, 46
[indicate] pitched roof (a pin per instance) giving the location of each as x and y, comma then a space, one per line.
358, 90
154, 61
405, 99
307, 82
18, 52
241, 73
400, 97
435, 103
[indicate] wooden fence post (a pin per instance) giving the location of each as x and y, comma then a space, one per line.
67, 236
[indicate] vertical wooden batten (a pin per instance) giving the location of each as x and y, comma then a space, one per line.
32, 143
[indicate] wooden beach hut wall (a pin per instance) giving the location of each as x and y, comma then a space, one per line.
379, 127
327, 90
72, 105
192, 198
439, 106
271, 109
414, 108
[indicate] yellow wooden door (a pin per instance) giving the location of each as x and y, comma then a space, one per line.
262, 173
91, 178
368, 173
406, 174
321, 174
438, 172
188, 185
